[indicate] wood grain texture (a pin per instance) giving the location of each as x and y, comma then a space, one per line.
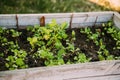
78, 20
102, 70
116, 19
8, 21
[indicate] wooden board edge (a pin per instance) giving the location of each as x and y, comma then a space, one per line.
16, 20
65, 66
80, 71
116, 19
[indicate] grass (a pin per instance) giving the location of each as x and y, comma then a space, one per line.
47, 6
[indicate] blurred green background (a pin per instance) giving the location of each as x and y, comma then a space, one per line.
48, 6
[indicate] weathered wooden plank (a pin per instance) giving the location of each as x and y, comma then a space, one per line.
116, 19
78, 19
89, 16
103, 70
76, 25
33, 19
8, 21
82, 14
106, 70
110, 77
90, 19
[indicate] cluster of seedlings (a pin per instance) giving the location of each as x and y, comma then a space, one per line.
56, 44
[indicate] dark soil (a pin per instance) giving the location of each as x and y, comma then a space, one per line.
87, 47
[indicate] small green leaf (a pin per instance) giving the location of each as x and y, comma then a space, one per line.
7, 65
29, 28
64, 25
82, 58
46, 63
19, 62
49, 42
46, 37
60, 61
101, 57
10, 58
14, 66
75, 58
73, 33
110, 57
68, 62
109, 24
106, 52
53, 23
97, 43
32, 40
64, 36
58, 44
61, 52
1, 54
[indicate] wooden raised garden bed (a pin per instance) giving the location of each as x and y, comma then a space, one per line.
101, 70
